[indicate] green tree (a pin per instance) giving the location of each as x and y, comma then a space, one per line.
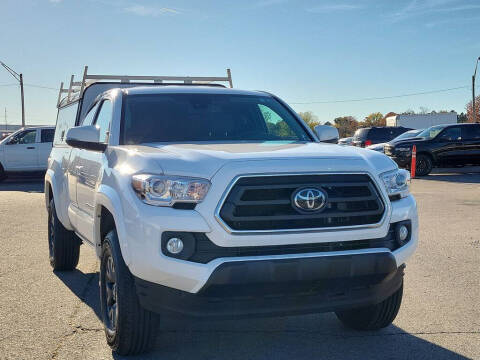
374, 119
310, 118
346, 125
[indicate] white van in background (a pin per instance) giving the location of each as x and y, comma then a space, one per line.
26, 150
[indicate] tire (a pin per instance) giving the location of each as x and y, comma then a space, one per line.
63, 244
424, 165
373, 317
129, 328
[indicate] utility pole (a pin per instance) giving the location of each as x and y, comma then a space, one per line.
19, 78
6, 125
473, 91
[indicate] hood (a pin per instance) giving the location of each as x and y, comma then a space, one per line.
205, 159
376, 146
412, 140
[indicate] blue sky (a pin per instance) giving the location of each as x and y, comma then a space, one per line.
303, 51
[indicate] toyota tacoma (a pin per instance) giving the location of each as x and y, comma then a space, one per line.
210, 201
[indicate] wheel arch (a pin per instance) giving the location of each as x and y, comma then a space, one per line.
108, 215
429, 154
51, 190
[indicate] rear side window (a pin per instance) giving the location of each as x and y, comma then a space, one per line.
361, 134
471, 132
47, 135
65, 120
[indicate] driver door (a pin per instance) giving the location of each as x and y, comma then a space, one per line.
21, 152
450, 149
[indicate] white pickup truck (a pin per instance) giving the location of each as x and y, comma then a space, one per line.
217, 202
26, 151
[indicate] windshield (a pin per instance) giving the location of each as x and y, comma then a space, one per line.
207, 117
431, 132
408, 134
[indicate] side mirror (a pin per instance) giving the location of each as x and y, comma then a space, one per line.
327, 133
85, 137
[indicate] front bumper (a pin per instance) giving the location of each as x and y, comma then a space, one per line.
402, 161
282, 286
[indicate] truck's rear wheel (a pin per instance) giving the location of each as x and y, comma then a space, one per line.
373, 317
63, 244
129, 328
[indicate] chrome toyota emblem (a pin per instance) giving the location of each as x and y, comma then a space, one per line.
309, 199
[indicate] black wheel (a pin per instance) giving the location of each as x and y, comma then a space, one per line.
129, 328
373, 317
424, 165
63, 244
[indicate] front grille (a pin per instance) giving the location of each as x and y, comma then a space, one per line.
264, 202
206, 250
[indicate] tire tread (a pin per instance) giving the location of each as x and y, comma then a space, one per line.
373, 317
66, 244
137, 327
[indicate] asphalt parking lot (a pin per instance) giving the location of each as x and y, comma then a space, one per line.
46, 315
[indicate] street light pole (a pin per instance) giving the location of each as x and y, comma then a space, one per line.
473, 90
19, 78
23, 101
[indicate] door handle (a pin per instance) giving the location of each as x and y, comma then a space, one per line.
30, 147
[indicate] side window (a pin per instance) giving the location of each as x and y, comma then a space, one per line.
275, 124
47, 135
471, 132
451, 134
88, 119
25, 137
103, 120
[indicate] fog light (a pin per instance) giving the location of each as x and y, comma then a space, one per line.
174, 245
402, 233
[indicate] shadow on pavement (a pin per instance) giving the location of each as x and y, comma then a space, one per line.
467, 174
25, 184
84, 286
318, 336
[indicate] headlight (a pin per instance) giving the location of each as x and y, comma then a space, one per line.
403, 149
168, 190
396, 182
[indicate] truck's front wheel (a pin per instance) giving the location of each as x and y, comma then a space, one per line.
373, 317
129, 328
63, 244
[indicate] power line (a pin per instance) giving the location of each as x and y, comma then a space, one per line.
382, 97
34, 85
42, 87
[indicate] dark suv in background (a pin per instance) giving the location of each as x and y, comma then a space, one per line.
374, 135
441, 146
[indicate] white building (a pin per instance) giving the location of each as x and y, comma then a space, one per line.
421, 121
